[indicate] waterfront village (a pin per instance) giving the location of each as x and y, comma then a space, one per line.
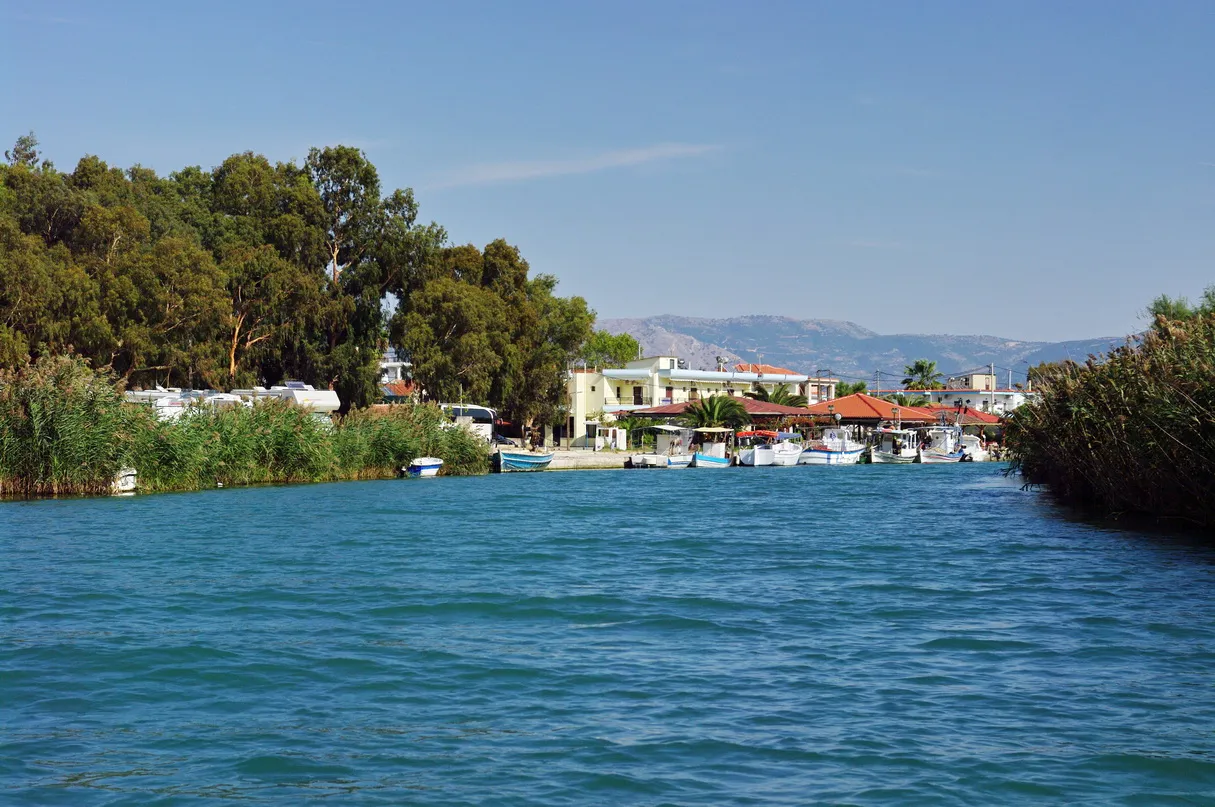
651, 413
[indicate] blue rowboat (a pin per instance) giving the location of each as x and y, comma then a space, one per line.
705, 461
507, 461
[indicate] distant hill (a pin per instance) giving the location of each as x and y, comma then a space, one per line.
840, 348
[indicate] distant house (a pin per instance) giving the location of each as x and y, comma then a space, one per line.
394, 366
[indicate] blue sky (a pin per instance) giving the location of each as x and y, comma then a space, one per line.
1032, 170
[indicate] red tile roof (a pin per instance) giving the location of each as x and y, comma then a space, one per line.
969, 416
402, 388
860, 406
752, 406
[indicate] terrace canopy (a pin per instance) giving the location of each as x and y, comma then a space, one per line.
758, 410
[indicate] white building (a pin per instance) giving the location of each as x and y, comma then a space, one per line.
660, 380
988, 399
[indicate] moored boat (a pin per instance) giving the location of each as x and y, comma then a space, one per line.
424, 467
508, 461
769, 448
894, 446
832, 447
700, 460
670, 449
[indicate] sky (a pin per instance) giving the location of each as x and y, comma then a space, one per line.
1033, 170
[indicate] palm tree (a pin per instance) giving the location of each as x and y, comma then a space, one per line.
922, 374
850, 388
782, 395
715, 411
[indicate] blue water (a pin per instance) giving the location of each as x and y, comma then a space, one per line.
868, 635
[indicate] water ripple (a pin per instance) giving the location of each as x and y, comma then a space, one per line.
872, 635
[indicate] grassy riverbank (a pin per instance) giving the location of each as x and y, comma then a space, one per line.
1133, 433
65, 430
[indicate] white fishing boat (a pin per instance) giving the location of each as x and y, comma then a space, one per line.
712, 450
896, 446
671, 449
423, 467
941, 444
973, 447
769, 448
834, 447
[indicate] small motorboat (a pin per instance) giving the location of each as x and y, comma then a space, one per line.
424, 467
509, 461
700, 460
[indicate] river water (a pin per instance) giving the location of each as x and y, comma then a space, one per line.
869, 635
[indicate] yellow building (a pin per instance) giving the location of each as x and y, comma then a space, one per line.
662, 380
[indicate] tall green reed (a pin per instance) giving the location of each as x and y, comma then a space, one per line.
1130, 432
65, 429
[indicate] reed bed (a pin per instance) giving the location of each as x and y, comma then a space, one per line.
65, 430
1132, 432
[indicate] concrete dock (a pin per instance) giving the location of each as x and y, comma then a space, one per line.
584, 460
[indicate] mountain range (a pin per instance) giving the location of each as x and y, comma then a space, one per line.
841, 349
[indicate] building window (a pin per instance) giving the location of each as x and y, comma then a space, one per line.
592, 387
618, 393
637, 396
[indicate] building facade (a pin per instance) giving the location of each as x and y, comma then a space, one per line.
661, 380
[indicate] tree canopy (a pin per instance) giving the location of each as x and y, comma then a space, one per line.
922, 374
715, 411
604, 349
781, 394
254, 272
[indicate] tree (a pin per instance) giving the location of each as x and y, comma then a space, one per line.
922, 374
850, 388
25, 152
266, 294
454, 334
782, 395
714, 412
604, 349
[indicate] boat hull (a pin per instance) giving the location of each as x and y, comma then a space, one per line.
756, 457
423, 467
931, 457
886, 457
679, 460
705, 461
786, 455
514, 461
819, 456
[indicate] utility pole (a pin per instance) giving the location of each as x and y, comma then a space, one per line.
992, 393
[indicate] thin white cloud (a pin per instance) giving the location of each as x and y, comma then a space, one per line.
909, 171
1208, 165
490, 173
